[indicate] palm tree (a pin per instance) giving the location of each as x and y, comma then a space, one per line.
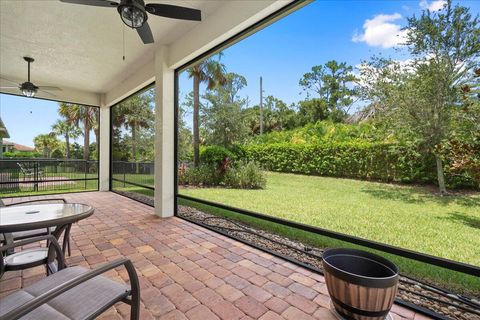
45, 143
76, 114
211, 72
135, 113
67, 130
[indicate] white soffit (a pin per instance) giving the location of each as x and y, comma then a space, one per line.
80, 48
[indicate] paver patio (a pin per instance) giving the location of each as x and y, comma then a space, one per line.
186, 271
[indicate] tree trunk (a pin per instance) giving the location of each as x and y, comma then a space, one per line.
440, 175
67, 146
134, 146
86, 139
196, 116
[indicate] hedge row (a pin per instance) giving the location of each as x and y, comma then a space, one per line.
358, 160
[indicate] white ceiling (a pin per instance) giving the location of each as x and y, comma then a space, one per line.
78, 46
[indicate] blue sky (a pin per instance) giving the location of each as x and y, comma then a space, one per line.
344, 30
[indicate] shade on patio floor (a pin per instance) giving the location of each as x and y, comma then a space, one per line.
186, 271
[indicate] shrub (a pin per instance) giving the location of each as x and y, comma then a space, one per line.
242, 176
214, 155
360, 160
22, 154
57, 154
246, 176
204, 175
389, 162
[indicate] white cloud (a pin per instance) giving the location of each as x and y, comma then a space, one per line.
381, 31
435, 5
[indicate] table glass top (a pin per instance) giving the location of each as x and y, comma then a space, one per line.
38, 213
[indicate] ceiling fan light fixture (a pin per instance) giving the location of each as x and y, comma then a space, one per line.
28, 89
30, 93
133, 13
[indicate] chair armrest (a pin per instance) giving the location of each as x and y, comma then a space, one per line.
38, 200
54, 292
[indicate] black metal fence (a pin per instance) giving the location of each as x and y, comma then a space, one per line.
36, 176
140, 174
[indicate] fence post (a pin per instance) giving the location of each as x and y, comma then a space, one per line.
86, 171
124, 176
35, 175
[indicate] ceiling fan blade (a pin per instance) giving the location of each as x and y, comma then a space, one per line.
145, 33
8, 87
46, 92
9, 81
49, 88
96, 3
175, 12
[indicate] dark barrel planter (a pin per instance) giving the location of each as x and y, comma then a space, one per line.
362, 285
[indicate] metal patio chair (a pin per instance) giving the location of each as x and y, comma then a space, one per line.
73, 293
33, 257
29, 171
20, 235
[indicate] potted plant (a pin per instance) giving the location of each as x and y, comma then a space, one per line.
362, 285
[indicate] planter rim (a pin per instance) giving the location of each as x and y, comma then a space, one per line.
361, 279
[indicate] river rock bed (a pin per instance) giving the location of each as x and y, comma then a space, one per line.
410, 290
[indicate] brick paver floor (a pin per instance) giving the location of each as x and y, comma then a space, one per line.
186, 271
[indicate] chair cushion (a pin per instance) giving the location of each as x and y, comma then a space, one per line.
20, 297
80, 302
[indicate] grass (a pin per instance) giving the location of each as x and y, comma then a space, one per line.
410, 217
404, 216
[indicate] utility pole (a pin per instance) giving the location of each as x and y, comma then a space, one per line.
261, 106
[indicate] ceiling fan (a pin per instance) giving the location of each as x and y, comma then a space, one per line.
134, 13
28, 88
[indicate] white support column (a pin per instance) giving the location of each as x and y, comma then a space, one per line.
164, 134
104, 152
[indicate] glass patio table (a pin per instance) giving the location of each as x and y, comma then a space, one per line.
39, 216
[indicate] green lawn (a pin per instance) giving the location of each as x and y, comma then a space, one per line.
405, 216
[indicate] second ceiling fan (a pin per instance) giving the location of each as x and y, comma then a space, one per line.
134, 13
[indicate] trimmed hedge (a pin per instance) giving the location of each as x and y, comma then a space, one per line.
358, 160
214, 154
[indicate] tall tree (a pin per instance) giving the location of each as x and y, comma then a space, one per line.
45, 143
334, 83
223, 117
277, 116
212, 73
423, 96
80, 115
68, 131
135, 113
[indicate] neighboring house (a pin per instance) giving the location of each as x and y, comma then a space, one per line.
10, 146
3, 134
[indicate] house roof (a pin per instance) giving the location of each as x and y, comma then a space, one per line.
17, 146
